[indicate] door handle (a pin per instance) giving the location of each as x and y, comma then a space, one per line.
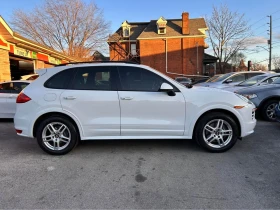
69, 98
126, 98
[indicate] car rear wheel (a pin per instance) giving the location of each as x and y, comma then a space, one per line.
216, 132
57, 135
268, 110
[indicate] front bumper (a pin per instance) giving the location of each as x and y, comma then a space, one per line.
249, 121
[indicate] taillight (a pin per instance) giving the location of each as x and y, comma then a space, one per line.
18, 131
22, 98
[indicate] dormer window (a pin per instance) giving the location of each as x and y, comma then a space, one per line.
161, 25
126, 29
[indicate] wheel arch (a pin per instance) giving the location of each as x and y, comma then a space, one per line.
231, 114
52, 114
275, 97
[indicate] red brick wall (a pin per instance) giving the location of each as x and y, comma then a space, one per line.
5, 74
181, 55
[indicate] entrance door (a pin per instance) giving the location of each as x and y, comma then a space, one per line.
145, 111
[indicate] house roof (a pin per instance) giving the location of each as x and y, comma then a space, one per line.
144, 30
173, 28
135, 30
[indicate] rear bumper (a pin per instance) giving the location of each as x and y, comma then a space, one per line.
22, 123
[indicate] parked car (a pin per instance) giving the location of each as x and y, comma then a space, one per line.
263, 79
199, 81
8, 94
265, 97
230, 79
29, 77
277, 112
183, 80
113, 100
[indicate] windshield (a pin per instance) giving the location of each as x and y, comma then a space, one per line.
277, 81
182, 79
221, 77
214, 77
252, 81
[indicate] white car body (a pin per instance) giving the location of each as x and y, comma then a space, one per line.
129, 114
8, 99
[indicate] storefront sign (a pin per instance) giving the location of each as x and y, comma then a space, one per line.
34, 55
22, 52
54, 60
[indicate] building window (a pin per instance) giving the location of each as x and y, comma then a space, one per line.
126, 32
133, 49
162, 31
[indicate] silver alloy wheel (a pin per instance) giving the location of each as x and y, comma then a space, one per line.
270, 111
217, 133
56, 136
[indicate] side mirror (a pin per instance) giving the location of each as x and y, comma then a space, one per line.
228, 81
167, 88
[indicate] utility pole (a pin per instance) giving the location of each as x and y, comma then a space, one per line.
270, 41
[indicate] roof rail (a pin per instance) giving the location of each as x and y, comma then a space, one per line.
71, 63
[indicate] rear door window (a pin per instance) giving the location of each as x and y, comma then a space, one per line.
95, 78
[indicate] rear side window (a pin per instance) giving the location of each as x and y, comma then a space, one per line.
18, 87
60, 80
95, 78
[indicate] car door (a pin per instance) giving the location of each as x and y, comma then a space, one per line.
145, 111
4, 94
93, 99
15, 89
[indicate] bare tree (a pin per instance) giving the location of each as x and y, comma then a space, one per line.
276, 61
257, 66
236, 58
228, 32
73, 27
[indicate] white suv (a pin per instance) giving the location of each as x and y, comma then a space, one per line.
115, 100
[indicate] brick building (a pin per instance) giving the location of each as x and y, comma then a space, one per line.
172, 46
21, 56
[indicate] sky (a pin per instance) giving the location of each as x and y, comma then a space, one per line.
117, 11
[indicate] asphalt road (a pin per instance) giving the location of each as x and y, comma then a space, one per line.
141, 174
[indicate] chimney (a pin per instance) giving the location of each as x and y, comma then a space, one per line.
185, 23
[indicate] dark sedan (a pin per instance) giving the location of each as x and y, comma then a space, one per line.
266, 98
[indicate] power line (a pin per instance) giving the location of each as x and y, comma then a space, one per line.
275, 12
276, 26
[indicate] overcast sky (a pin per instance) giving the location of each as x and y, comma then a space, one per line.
116, 11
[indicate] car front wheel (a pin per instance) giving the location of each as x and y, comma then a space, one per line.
57, 135
216, 132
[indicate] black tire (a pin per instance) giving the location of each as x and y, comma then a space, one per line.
71, 129
212, 117
264, 110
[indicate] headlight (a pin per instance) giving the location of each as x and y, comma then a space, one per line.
242, 97
250, 96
